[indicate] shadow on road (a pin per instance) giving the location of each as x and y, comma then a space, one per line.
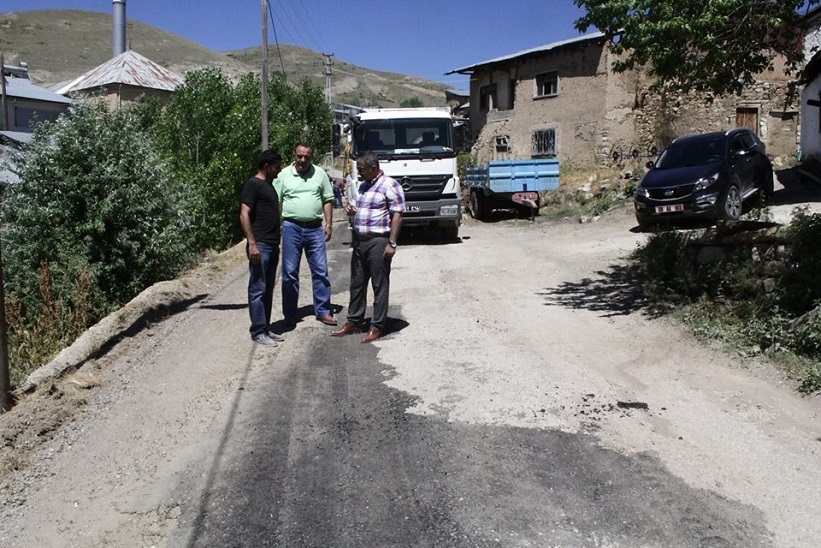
797, 188
614, 293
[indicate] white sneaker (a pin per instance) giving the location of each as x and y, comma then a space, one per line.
275, 336
264, 340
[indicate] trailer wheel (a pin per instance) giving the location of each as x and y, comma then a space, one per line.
478, 205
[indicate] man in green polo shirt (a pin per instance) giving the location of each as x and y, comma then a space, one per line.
306, 199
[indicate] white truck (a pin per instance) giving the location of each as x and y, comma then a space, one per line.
416, 147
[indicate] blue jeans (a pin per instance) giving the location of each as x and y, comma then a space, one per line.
261, 287
295, 239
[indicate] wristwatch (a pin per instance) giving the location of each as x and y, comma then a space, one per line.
392, 243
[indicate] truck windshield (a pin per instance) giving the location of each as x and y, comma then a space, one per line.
405, 137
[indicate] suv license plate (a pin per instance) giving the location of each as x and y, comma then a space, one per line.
669, 208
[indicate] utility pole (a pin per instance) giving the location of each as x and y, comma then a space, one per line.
328, 62
5, 377
3, 93
264, 74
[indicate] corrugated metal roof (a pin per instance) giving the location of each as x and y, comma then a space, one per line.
128, 68
22, 88
523, 53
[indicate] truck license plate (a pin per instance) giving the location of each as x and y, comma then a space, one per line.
413, 209
669, 208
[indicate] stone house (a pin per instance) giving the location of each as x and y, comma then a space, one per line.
562, 100
811, 93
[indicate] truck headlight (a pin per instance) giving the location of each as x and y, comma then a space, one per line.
449, 211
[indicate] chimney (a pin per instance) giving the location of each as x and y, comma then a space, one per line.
119, 26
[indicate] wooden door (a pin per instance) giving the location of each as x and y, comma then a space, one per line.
748, 118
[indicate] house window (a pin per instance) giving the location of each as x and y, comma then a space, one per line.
502, 143
544, 143
487, 97
547, 84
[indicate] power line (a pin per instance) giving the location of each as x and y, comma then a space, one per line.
276, 41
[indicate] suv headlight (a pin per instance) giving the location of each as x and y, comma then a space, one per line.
641, 192
706, 182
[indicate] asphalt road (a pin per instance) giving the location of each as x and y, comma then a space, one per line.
520, 399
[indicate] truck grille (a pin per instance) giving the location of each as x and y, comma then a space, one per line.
428, 187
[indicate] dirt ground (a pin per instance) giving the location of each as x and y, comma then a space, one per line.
526, 325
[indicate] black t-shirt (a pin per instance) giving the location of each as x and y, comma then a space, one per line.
260, 196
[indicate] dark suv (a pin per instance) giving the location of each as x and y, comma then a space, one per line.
708, 175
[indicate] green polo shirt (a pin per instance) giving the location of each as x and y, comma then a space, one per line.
301, 196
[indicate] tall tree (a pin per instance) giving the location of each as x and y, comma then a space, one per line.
702, 45
211, 133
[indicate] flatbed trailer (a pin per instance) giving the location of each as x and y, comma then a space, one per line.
505, 184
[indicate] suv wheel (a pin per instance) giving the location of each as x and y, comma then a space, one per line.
731, 204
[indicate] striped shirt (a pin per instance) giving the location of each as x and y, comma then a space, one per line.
376, 201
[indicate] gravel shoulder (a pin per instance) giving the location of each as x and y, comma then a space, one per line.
527, 326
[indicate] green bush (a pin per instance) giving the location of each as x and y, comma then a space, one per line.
726, 300
95, 220
95, 197
211, 134
800, 290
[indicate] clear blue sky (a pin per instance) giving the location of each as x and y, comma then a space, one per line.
417, 37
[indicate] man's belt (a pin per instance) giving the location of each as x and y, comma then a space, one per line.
316, 223
363, 237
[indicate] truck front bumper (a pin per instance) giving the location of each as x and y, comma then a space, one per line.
445, 212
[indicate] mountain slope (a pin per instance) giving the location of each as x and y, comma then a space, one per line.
60, 45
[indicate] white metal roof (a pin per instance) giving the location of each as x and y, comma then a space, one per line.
523, 53
421, 112
128, 68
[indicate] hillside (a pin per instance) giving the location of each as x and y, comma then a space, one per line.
349, 83
59, 45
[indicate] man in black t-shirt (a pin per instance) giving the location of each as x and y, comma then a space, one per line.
260, 219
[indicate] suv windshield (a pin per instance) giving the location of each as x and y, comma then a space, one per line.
692, 154
405, 137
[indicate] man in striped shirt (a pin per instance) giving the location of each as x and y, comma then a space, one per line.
377, 219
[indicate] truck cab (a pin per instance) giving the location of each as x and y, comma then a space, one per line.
416, 147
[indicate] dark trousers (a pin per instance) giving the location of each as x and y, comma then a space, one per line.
368, 263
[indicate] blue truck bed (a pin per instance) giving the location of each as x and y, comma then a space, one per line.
510, 183
506, 176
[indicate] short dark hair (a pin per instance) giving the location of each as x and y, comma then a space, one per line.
268, 156
369, 158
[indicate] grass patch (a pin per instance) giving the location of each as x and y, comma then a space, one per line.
748, 302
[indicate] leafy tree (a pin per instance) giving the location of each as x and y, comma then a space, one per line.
696, 44
211, 132
95, 200
411, 102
